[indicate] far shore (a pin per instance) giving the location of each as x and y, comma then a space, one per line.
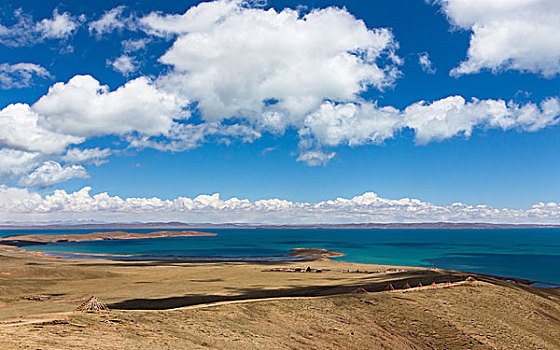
186, 226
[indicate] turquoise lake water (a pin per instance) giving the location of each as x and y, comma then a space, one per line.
523, 253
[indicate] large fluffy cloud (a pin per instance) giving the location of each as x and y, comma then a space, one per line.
241, 62
21, 129
453, 116
84, 107
352, 123
508, 34
20, 204
359, 123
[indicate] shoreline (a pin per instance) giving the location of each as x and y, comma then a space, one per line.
298, 254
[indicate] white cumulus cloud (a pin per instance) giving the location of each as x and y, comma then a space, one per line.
26, 144
21, 130
352, 124
453, 116
238, 61
364, 122
508, 35
21, 204
84, 107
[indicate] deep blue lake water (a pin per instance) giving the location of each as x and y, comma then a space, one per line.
522, 253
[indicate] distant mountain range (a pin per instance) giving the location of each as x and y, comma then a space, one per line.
181, 225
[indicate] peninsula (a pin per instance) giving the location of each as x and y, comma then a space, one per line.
28, 240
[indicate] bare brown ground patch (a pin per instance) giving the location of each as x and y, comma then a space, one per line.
494, 315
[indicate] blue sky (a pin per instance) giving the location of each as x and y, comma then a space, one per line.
499, 149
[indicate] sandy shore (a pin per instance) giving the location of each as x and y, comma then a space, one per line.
236, 305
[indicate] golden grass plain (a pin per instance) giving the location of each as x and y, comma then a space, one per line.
235, 305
